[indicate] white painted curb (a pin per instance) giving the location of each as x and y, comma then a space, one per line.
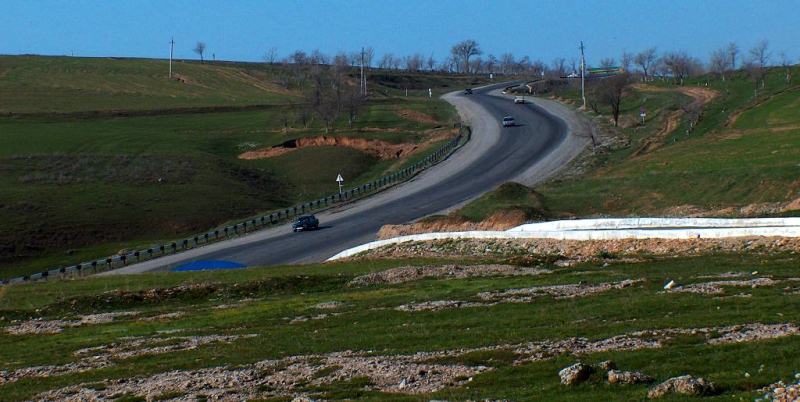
613, 229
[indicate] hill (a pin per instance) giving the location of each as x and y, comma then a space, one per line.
101, 154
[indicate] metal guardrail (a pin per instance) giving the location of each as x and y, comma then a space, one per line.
250, 224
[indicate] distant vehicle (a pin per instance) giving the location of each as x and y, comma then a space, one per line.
305, 222
508, 121
468, 91
519, 99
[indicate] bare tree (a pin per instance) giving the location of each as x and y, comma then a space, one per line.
645, 60
200, 48
760, 53
559, 66
271, 55
369, 54
608, 62
507, 63
317, 57
491, 63
463, 51
786, 64
610, 91
626, 60
719, 62
732, 50
759, 58
354, 103
414, 62
430, 63
680, 65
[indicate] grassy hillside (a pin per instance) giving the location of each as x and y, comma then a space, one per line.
77, 181
740, 158
313, 313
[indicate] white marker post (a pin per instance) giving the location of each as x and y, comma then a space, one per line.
430, 93
340, 180
642, 114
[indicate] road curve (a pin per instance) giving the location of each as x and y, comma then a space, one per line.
494, 155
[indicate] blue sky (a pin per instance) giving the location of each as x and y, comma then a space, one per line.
244, 29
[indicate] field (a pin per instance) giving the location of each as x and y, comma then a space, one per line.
736, 156
741, 337
98, 155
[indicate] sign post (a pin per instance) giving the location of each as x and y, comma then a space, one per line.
642, 113
340, 180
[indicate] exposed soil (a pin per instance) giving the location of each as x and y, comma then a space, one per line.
377, 148
501, 220
409, 274
582, 250
701, 96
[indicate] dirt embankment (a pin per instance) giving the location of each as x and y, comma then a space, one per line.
377, 148
757, 209
501, 220
700, 97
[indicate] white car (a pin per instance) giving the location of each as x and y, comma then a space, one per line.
508, 121
519, 99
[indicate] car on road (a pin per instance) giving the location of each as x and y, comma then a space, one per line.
508, 121
519, 99
305, 222
468, 91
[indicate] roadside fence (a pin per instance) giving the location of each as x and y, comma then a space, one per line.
254, 223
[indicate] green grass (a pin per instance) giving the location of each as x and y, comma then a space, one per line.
77, 182
292, 291
715, 166
507, 197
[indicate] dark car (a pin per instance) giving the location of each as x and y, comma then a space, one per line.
468, 91
305, 222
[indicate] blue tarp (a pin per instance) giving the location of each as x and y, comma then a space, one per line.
208, 265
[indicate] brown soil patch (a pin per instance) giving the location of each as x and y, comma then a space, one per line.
417, 116
409, 274
380, 149
701, 96
501, 220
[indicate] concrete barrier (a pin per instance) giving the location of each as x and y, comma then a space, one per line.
613, 229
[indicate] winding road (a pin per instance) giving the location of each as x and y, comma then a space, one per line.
493, 156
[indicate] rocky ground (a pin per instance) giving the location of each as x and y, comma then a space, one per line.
412, 273
417, 373
583, 250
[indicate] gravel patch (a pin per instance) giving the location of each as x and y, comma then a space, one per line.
568, 291
96, 357
408, 274
40, 326
716, 287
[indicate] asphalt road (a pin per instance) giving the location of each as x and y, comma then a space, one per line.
494, 155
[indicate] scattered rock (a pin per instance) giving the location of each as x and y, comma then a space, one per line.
627, 377
671, 284
575, 374
607, 365
568, 291
408, 274
39, 326
716, 287
331, 305
684, 385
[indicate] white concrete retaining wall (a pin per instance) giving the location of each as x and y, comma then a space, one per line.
613, 229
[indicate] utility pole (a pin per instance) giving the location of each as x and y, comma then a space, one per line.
583, 77
171, 48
